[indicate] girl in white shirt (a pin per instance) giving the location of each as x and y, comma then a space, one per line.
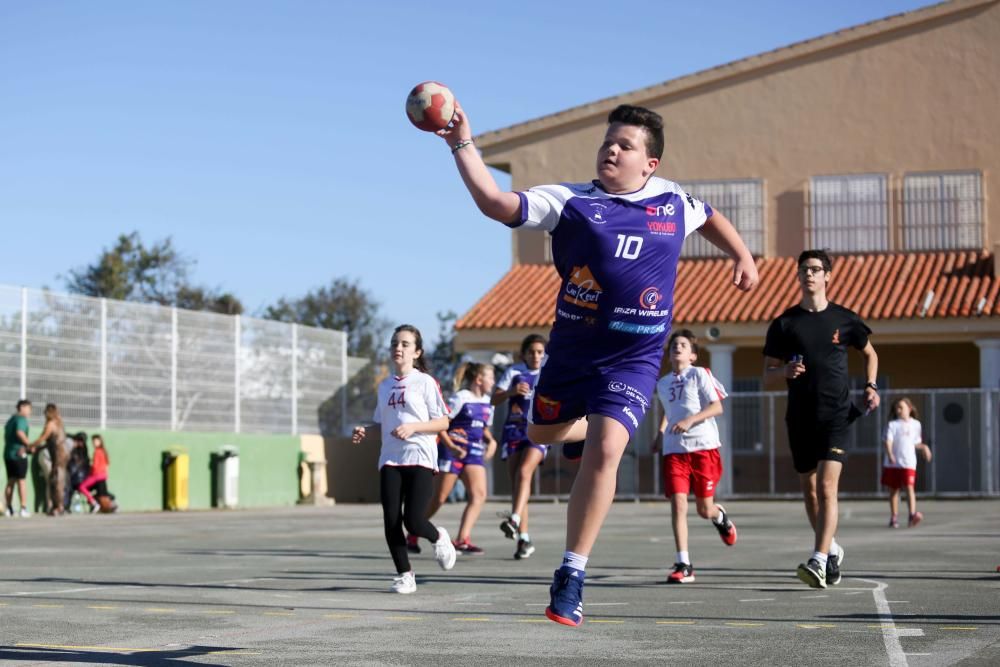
903, 438
409, 412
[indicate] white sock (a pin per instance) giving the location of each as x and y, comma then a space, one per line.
516, 518
525, 537
720, 518
820, 558
575, 560
833, 546
684, 557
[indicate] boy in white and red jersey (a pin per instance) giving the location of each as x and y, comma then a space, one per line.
692, 399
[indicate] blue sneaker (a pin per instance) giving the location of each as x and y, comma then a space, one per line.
573, 450
566, 597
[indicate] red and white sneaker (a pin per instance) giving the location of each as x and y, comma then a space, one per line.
467, 548
727, 529
893, 521
915, 519
683, 574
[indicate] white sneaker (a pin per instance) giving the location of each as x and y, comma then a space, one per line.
24, 514
9, 512
444, 550
404, 583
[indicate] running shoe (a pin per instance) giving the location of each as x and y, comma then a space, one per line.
444, 550
683, 574
467, 548
915, 519
727, 529
812, 573
893, 521
573, 450
833, 563
524, 549
404, 583
24, 514
566, 597
413, 544
510, 528
9, 512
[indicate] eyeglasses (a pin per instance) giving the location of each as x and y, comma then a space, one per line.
810, 270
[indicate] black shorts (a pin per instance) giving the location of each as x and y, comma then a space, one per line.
16, 469
812, 441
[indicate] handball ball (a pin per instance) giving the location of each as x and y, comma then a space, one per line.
430, 106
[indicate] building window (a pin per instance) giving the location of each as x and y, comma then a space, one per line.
942, 211
848, 213
742, 201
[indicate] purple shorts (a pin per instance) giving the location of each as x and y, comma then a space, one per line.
621, 393
510, 448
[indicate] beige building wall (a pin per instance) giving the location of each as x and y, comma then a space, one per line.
923, 96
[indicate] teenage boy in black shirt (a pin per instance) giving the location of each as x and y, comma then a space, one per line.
807, 345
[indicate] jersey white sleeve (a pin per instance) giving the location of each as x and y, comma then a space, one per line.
456, 402
436, 406
503, 384
696, 212
377, 413
709, 387
542, 206
890, 432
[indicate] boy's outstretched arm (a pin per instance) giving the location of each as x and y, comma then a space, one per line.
495, 203
721, 233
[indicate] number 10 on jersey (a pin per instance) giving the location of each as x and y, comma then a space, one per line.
628, 246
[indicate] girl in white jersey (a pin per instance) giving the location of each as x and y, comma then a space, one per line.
903, 438
465, 446
409, 411
692, 399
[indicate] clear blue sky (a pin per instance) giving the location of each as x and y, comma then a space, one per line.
268, 138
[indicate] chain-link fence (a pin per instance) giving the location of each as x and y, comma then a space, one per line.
116, 364
962, 427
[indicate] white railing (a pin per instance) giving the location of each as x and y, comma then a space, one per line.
116, 364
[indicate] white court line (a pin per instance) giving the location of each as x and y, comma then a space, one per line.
890, 634
65, 590
758, 600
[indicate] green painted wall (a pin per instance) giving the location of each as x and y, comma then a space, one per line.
268, 468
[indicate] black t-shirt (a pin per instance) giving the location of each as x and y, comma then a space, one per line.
823, 391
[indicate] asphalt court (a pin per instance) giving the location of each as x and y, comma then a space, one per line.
302, 586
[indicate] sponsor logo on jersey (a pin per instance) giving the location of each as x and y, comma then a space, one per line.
661, 227
836, 337
649, 298
644, 329
597, 213
582, 289
547, 408
631, 416
663, 211
617, 386
631, 392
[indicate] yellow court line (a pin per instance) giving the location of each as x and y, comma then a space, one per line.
91, 648
56, 606
813, 626
471, 620
675, 622
279, 613
958, 627
340, 615
234, 652
744, 625
161, 610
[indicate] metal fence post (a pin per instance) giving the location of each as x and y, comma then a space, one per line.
24, 342
237, 332
104, 364
295, 379
343, 385
173, 369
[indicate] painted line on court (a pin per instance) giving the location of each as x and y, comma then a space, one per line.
101, 607
814, 597
65, 590
340, 616
216, 612
739, 624
687, 602
958, 627
758, 600
814, 626
675, 622
279, 613
890, 635
160, 610
49, 606
66, 647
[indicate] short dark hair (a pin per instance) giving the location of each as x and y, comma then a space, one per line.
816, 254
80, 436
684, 333
23, 402
530, 340
642, 117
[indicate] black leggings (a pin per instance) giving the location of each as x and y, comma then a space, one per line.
406, 495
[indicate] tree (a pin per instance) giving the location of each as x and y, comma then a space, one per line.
442, 359
344, 305
159, 274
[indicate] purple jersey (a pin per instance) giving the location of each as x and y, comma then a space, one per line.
470, 416
515, 428
617, 258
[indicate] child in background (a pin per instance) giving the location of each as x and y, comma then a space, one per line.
465, 446
409, 411
692, 399
523, 456
903, 438
98, 474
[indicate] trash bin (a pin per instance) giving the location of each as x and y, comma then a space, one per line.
176, 466
226, 477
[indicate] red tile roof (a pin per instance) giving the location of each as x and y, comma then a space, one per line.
876, 286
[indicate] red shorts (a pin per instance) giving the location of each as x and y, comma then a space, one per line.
700, 470
897, 478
